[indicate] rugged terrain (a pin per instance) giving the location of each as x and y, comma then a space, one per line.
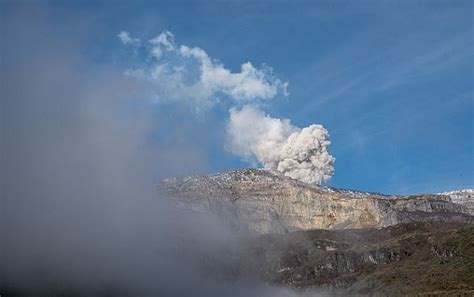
334, 241
464, 197
265, 202
416, 259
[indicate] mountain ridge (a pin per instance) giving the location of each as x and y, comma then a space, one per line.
264, 201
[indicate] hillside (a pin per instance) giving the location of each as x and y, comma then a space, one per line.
422, 259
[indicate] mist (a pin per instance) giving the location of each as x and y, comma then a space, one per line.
79, 211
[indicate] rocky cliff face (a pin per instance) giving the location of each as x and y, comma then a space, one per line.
464, 197
267, 202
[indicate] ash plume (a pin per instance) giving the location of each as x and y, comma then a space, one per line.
300, 153
180, 73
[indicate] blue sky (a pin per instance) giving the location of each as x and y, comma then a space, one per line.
392, 81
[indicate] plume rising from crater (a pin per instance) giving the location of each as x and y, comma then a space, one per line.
185, 74
299, 153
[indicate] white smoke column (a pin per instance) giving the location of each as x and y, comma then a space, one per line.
276, 144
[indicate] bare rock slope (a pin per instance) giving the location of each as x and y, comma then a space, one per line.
267, 202
464, 197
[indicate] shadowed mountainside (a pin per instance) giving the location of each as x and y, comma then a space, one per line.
422, 259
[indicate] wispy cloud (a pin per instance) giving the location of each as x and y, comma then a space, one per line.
439, 58
124, 36
369, 75
180, 73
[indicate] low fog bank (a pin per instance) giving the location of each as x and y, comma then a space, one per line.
79, 214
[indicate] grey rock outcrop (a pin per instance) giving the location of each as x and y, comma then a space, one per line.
464, 197
267, 202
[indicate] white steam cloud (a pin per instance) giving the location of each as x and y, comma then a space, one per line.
183, 74
179, 73
298, 153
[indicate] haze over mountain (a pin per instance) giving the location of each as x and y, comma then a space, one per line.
338, 240
100, 100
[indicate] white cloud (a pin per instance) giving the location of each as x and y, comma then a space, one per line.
275, 143
126, 39
165, 39
188, 74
